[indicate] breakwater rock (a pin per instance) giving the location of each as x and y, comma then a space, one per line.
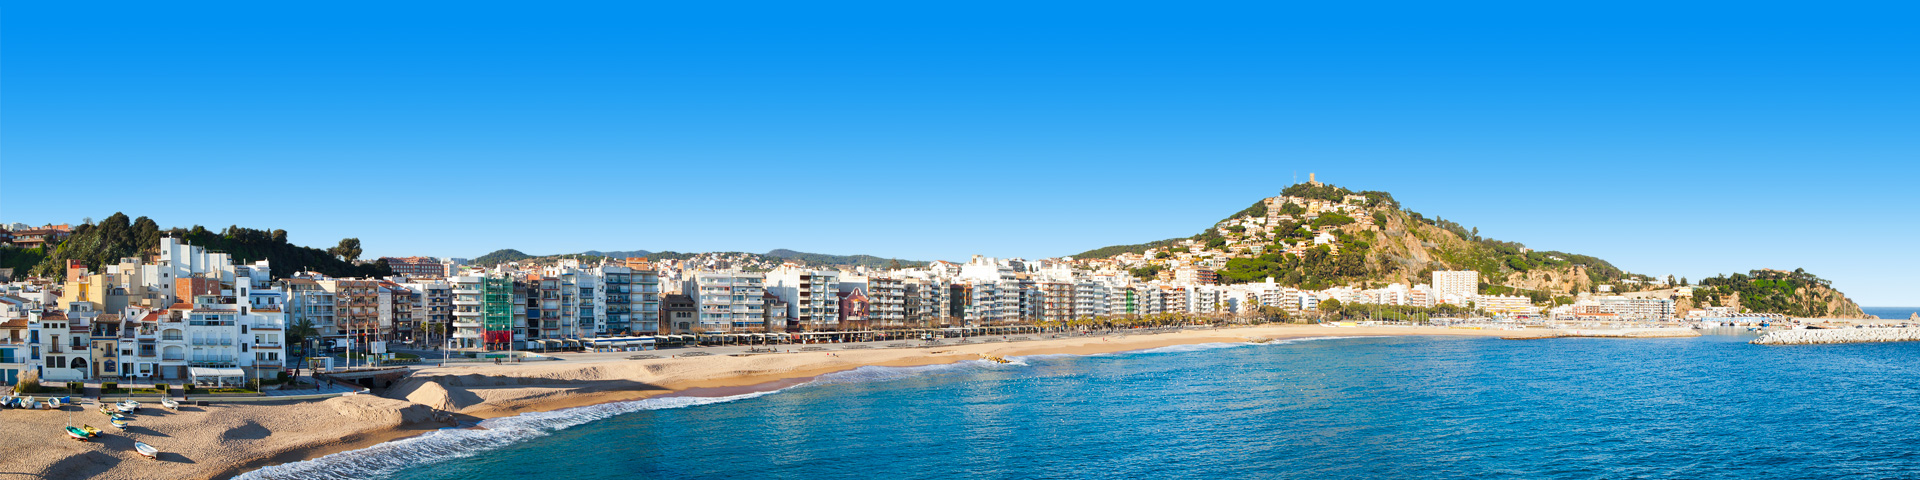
1838, 335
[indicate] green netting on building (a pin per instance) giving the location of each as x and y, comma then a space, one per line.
498, 306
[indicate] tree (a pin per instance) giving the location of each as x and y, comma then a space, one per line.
894, 265
1683, 281
349, 249
301, 330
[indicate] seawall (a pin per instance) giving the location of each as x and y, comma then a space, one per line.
1839, 335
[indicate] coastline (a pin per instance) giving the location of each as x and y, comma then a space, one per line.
231, 440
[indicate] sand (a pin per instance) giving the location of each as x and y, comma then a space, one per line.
223, 440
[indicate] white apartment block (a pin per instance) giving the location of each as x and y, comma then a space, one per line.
813, 302
1626, 308
731, 301
468, 305
1460, 284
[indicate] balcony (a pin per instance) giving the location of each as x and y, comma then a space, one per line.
173, 358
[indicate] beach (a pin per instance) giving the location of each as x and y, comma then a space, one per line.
223, 440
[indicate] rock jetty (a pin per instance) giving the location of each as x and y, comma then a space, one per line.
1838, 335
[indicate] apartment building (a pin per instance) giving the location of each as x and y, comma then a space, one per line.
1626, 308
1057, 301
888, 301
617, 283
812, 296
432, 309
1505, 304
468, 311
927, 302
646, 297
356, 314
1195, 276
1456, 286
417, 268
730, 301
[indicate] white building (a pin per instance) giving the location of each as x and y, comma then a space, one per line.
812, 296
1460, 284
730, 301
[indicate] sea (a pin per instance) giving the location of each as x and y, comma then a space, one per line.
1891, 313
1367, 407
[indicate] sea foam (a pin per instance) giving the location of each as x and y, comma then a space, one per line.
440, 445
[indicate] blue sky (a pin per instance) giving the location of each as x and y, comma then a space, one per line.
1685, 139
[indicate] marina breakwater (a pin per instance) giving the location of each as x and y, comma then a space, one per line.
1840, 335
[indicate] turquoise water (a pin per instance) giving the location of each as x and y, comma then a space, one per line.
1419, 407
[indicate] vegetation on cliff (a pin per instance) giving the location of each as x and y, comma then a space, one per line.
116, 237
1795, 294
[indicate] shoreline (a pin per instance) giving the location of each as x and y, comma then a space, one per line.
231, 440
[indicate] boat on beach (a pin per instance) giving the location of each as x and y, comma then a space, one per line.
77, 433
119, 422
109, 409
146, 450
170, 404
129, 406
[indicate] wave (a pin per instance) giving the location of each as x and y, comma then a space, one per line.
446, 444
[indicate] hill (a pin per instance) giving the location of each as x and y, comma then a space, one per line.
868, 261
117, 237
1316, 236
500, 256
1795, 294
618, 254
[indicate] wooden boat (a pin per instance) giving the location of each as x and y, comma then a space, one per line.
109, 409
54, 403
170, 404
66, 400
118, 422
91, 432
129, 406
77, 433
146, 450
